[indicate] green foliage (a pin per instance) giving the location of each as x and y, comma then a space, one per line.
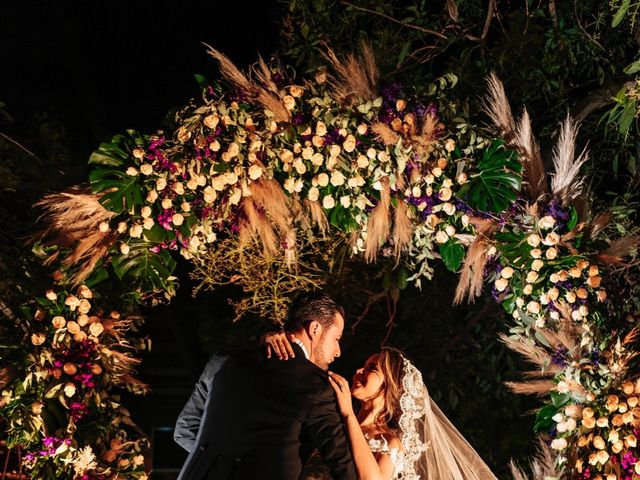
452, 254
495, 187
144, 270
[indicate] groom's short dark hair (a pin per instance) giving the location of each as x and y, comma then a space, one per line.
310, 306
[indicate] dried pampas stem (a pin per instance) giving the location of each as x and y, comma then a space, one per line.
498, 108
566, 184
357, 79
402, 229
265, 92
385, 134
471, 276
532, 387
620, 248
534, 173
378, 223
258, 227
73, 221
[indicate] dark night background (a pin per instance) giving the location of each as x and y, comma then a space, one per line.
94, 69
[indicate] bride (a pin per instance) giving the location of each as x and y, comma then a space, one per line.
398, 432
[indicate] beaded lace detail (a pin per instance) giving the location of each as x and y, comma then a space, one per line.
412, 405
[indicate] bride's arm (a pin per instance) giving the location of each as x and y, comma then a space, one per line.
367, 466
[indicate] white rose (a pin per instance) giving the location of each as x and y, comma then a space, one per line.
289, 184
450, 145
148, 223
313, 194
362, 161
152, 196
546, 222
185, 207
209, 194
138, 153
532, 277
178, 188
300, 167
448, 208
124, 248
442, 237
335, 150
146, 169
533, 240
328, 202
177, 219
345, 201
349, 144
317, 159
135, 231
211, 121
323, 179
507, 272
235, 197
337, 178
362, 129
307, 153
255, 172
551, 253
132, 172
501, 284
537, 265
450, 229
214, 146
533, 307
321, 129
69, 389
355, 182
161, 183
145, 212
51, 295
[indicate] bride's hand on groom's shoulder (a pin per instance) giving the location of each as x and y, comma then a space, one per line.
343, 393
277, 344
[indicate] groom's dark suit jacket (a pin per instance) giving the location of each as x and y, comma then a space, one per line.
255, 418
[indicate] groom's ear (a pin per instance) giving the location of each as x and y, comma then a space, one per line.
314, 330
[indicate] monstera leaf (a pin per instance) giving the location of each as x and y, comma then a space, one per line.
149, 271
452, 254
494, 188
118, 150
121, 191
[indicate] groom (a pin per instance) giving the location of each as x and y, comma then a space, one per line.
251, 417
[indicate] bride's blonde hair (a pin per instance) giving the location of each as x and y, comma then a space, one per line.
390, 363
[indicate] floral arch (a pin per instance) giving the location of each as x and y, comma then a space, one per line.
277, 170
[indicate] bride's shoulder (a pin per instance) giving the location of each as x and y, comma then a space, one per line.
393, 440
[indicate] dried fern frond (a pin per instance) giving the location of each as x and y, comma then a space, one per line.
471, 276
378, 223
531, 352
534, 175
385, 134
619, 249
543, 465
566, 184
402, 229
357, 78
72, 220
598, 224
540, 388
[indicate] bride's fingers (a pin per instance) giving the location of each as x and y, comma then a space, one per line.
282, 351
288, 346
268, 350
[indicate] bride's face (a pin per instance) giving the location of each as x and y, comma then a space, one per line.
368, 380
